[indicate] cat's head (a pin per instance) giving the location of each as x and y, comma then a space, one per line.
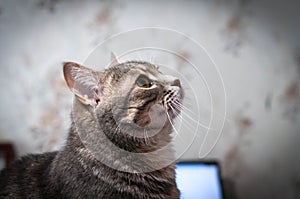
136, 95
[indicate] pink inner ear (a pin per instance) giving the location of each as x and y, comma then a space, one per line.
68, 66
83, 82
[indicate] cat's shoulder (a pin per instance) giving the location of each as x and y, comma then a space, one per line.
33, 159
30, 162
26, 176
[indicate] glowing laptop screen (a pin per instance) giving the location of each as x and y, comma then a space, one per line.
198, 180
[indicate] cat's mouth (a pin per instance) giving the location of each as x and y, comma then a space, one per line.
172, 101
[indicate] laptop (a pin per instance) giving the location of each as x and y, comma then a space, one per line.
199, 179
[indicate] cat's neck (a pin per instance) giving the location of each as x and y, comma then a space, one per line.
89, 140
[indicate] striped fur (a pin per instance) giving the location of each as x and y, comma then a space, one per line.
107, 105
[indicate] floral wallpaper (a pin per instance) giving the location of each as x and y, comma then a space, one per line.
255, 45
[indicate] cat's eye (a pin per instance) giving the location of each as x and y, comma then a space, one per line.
144, 82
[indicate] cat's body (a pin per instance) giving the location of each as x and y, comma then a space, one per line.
98, 170
61, 175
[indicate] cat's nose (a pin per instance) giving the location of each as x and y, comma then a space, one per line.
176, 82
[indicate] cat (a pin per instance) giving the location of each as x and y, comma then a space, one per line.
118, 144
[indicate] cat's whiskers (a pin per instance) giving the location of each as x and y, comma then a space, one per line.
188, 100
181, 118
118, 128
146, 137
175, 111
170, 120
182, 106
187, 124
190, 117
186, 111
178, 113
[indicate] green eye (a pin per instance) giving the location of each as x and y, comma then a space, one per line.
143, 82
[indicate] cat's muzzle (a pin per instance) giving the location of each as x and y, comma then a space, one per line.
172, 99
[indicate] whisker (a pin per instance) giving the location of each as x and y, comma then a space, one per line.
187, 98
183, 112
188, 125
118, 128
172, 123
187, 103
197, 122
193, 131
146, 136
182, 119
182, 106
175, 109
190, 130
177, 112
219, 114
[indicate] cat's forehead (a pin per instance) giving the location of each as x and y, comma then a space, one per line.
148, 69
144, 66
137, 67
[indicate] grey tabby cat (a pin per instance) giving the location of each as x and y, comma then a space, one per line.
119, 141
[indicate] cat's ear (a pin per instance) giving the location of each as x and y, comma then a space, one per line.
113, 59
83, 82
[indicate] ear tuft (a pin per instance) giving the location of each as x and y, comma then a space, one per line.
83, 82
113, 59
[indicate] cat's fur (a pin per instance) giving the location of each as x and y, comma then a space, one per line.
103, 101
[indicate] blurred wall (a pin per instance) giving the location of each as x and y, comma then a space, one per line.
255, 44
